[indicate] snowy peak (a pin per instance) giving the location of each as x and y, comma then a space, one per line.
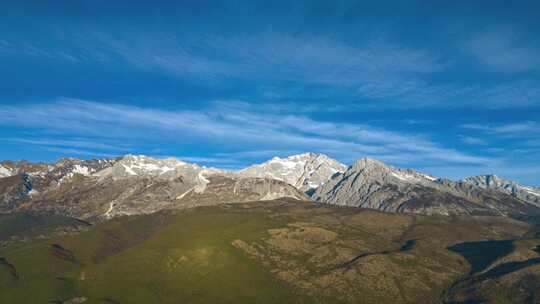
304, 171
144, 166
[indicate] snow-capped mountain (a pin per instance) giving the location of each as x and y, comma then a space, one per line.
102, 189
528, 194
303, 171
135, 184
144, 166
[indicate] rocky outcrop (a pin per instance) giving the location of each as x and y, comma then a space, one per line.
13, 191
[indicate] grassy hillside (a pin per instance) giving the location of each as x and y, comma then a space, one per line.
25, 225
267, 252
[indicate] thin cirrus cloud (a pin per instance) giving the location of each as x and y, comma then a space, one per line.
271, 56
263, 58
226, 125
80, 152
519, 139
505, 50
76, 143
377, 69
470, 140
525, 129
421, 93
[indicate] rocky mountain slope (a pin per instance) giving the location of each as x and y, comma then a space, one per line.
304, 171
99, 189
13, 190
528, 194
372, 184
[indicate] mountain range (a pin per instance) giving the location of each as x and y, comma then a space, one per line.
299, 229
105, 188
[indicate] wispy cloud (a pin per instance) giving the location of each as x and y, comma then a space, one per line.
272, 56
373, 70
415, 92
505, 50
508, 94
470, 140
80, 152
517, 142
526, 129
222, 161
78, 143
231, 126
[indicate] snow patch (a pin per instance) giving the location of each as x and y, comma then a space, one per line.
81, 170
5, 172
431, 178
184, 194
129, 170
314, 185
530, 191
202, 178
108, 212
287, 163
403, 176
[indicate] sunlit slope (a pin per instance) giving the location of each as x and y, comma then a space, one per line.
151, 259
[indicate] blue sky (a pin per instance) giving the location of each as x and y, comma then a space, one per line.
452, 89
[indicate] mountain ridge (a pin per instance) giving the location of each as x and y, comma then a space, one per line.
372, 184
491, 181
133, 184
94, 189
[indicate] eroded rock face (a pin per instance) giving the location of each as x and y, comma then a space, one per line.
372, 184
13, 191
223, 189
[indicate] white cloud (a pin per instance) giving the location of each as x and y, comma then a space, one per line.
370, 70
230, 126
